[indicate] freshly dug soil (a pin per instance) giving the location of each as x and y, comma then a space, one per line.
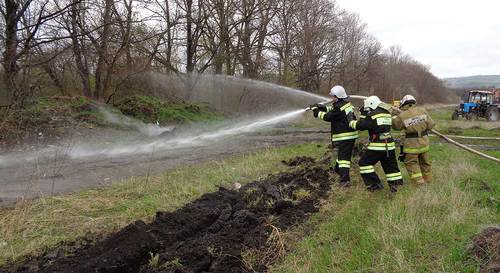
300, 160
225, 231
486, 247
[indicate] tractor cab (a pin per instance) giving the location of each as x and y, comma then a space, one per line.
478, 104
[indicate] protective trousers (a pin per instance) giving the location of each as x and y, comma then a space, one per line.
343, 162
418, 167
389, 164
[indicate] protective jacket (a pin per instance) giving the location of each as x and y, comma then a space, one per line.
415, 123
339, 115
378, 123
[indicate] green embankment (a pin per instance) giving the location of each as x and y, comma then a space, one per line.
151, 109
58, 116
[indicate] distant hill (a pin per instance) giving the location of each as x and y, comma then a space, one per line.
482, 81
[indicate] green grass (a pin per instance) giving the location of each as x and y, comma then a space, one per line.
420, 229
34, 226
45, 109
151, 109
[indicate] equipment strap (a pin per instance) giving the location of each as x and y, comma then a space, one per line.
417, 135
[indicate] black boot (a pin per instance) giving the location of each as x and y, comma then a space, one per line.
374, 187
393, 187
345, 184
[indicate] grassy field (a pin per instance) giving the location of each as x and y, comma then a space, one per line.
464, 127
419, 229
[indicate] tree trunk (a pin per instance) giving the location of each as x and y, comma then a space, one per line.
102, 52
79, 51
9, 55
190, 47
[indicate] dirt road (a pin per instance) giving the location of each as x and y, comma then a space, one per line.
48, 177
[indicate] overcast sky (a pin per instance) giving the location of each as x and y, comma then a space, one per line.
453, 37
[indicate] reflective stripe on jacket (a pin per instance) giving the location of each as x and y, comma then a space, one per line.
378, 123
339, 115
415, 121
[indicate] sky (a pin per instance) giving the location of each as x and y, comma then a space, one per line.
454, 37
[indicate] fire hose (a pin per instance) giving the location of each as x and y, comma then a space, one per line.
446, 138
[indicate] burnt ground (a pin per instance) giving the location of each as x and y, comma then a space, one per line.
486, 249
224, 231
48, 177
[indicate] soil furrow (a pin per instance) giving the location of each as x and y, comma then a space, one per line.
224, 231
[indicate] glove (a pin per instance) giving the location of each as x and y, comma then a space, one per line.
315, 112
350, 117
362, 112
321, 107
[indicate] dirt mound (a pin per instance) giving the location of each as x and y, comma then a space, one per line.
224, 231
301, 160
486, 247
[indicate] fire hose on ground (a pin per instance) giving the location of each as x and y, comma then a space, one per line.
446, 138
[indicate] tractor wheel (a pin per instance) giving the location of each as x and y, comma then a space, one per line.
492, 114
454, 116
472, 116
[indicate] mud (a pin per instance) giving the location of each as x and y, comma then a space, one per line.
301, 160
486, 248
225, 231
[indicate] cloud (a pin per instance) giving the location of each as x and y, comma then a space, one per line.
455, 38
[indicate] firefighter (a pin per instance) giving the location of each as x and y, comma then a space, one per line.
343, 137
415, 124
381, 146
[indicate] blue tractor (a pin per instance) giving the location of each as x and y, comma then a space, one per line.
479, 104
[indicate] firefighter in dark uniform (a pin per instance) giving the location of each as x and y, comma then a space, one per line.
381, 146
343, 137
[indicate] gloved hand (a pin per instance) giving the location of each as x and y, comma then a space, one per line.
315, 112
362, 112
321, 107
350, 117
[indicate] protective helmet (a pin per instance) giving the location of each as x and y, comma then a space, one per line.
338, 91
407, 100
372, 102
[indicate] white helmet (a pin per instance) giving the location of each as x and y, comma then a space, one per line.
407, 99
372, 102
338, 91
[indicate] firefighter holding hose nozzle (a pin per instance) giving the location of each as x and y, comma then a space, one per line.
415, 123
381, 146
343, 137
